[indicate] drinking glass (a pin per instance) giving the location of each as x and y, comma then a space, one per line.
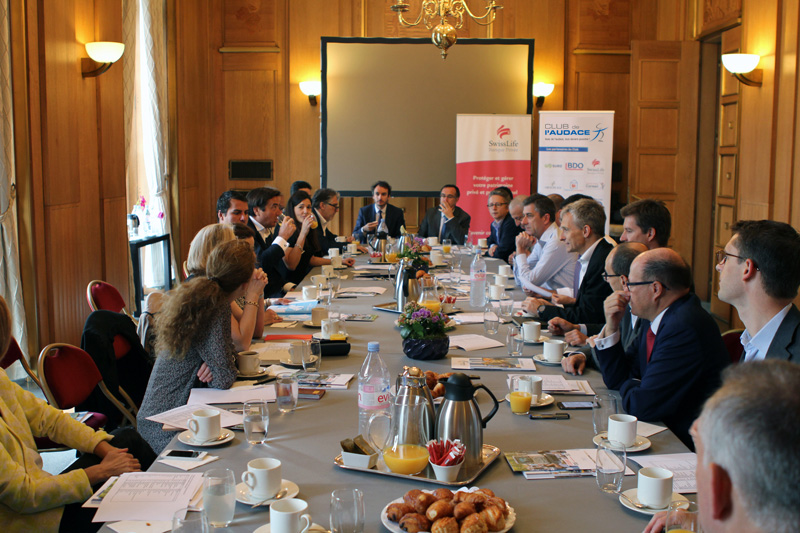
286, 388
185, 521
312, 355
219, 494
256, 421
347, 511
514, 341
334, 284
682, 517
610, 462
604, 406
447, 246
490, 319
506, 307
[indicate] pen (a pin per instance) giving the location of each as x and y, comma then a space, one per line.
550, 416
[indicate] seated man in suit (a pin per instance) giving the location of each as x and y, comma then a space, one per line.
746, 439
759, 273
503, 230
266, 204
646, 221
232, 207
676, 365
370, 216
541, 258
582, 229
326, 204
448, 221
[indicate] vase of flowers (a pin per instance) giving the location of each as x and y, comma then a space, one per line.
424, 332
412, 251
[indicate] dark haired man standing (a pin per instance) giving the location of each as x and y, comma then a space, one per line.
370, 216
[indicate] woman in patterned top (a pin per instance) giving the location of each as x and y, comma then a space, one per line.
30, 498
193, 330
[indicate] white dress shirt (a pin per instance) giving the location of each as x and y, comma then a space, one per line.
549, 264
757, 346
266, 233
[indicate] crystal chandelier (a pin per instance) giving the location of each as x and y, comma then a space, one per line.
444, 34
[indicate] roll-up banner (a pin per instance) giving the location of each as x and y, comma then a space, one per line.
491, 151
575, 149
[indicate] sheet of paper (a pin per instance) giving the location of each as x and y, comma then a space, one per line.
297, 307
373, 267
179, 417
141, 526
362, 290
285, 324
648, 430
517, 304
682, 466
155, 495
527, 285
489, 363
468, 318
272, 351
186, 465
471, 342
237, 395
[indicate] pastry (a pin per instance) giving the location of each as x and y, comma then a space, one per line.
414, 523
396, 511
447, 524
443, 494
422, 502
474, 523
463, 510
431, 378
500, 503
472, 497
488, 492
439, 509
494, 518
411, 495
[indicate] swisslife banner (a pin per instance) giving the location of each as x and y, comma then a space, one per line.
575, 154
491, 151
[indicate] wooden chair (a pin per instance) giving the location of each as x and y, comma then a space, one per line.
733, 345
69, 375
102, 295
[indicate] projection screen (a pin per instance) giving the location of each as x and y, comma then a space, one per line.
389, 107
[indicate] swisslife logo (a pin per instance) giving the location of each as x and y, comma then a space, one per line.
503, 144
502, 131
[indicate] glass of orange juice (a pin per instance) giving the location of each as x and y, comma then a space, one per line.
682, 517
447, 246
520, 402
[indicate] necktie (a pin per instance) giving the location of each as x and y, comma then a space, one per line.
576, 278
651, 339
441, 227
380, 215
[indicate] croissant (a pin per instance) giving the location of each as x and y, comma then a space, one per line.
414, 523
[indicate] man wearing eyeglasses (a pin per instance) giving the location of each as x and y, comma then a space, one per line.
266, 204
447, 221
503, 230
759, 274
326, 204
677, 362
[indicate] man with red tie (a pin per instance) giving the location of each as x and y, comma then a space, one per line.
676, 365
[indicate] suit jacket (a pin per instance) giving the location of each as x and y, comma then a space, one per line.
394, 220
507, 242
588, 307
628, 334
786, 342
269, 257
684, 369
456, 229
325, 238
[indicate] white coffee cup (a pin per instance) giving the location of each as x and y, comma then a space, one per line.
319, 313
328, 326
296, 352
336, 261
500, 279
319, 279
505, 270
327, 271
248, 362
553, 350
436, 257
352, 248
622, 428
532, 384
654, 487
204, 425
333, 252
483, 243
341, 238
433, 241
263, 477
531, 331
496, 291
309, 293
289, 516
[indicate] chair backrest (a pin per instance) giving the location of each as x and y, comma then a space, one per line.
15, 354
102, 295
733, 344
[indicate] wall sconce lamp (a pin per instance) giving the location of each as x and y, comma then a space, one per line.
105, 53
541, 91
741, 64
312, 89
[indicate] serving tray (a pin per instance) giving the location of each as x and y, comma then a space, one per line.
490, 453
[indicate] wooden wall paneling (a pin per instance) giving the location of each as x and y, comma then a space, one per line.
250, 22
604, 24
115, 245
671, 20
717, 15
786, 109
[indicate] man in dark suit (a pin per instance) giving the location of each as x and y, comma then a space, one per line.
326, 204
503, 230
677, 362
369, 217
582, 229
759, 274
447, 221
266, 204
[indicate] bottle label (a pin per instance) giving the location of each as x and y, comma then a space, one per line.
372, 397
478, 276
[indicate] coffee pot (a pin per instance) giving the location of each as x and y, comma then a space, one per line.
460, 418
406, 286
411, 383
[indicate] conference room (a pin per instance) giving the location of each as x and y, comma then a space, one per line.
110, 179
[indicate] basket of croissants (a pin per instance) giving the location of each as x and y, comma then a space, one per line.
444, 511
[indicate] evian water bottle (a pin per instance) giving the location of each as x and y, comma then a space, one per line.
477, 281
374, 395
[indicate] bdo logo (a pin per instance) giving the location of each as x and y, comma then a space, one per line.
573, 166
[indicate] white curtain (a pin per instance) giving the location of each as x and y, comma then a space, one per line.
10, 285
145, 82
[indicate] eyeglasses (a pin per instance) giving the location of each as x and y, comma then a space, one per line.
497, 205
606, 275
335, 206
626, 285
448, 196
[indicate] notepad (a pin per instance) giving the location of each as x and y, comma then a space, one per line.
471, 342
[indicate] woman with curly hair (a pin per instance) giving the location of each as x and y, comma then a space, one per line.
193, 329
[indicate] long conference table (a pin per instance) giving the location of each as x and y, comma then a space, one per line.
306, 441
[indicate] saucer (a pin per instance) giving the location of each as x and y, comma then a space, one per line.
261, 372
544, 400
540, 340
310, 324
186, 438
243, 492
632, 494
266, 528
318, 335
289, 364
641, 443
539, 358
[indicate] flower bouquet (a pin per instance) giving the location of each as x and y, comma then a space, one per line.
424, 332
